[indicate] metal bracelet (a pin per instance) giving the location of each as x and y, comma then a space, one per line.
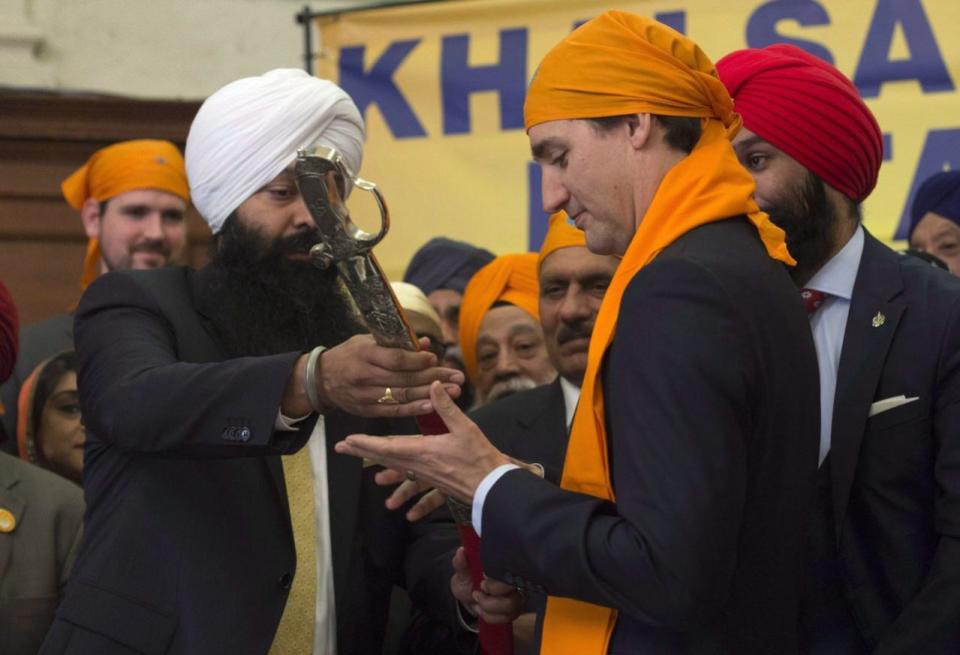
310, 379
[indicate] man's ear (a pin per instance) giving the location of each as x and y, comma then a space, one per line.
641, 129
90, 215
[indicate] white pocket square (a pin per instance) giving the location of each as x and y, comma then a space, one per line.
889, 403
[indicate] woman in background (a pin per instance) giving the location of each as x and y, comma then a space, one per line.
49, 431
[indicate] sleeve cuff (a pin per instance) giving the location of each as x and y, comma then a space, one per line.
480, 495
287, 424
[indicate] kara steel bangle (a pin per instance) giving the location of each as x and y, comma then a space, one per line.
310, 379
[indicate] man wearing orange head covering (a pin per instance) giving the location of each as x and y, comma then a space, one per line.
500, 336
678, 526
132, 197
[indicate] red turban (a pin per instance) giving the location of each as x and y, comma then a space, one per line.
8, 335
809, 110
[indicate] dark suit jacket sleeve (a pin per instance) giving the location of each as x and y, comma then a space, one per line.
679, 413
138, 396
930, 623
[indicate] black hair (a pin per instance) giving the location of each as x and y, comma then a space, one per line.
47, 381
680, 132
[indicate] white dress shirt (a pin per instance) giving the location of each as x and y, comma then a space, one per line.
325, 628
829, 323
571, 396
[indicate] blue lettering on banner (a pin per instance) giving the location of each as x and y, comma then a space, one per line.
762, 25
459, 80
925, 63
537, 218
941, 152
887, 146
377, 86
675, 19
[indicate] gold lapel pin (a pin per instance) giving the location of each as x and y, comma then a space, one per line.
7, 521
879, 319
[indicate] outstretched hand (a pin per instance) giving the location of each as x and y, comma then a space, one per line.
407, 489
455, 463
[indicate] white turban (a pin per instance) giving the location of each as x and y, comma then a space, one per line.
249, 131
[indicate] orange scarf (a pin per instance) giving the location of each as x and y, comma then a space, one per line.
709, 185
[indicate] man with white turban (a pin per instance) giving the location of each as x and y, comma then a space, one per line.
218, 517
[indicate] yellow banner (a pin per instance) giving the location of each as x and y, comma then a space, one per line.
441, 86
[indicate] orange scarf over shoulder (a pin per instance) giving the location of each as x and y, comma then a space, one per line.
709, 185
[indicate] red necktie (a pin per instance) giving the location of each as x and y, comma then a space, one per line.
812, 299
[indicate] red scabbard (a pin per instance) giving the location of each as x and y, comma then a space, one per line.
494, 639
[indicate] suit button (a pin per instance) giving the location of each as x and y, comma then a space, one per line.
285, 581
243, 434
228, 434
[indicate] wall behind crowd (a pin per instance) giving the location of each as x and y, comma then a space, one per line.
77, 76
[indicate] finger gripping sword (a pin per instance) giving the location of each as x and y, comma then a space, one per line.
322, 176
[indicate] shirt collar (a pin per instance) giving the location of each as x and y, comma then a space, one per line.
837, 276
571, 395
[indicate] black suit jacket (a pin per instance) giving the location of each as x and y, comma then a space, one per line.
896, 476
188, 546
712, 407
529, 425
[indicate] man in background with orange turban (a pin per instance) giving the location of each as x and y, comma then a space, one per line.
883, 556
132, 197
532, 425
678, 526
500, 335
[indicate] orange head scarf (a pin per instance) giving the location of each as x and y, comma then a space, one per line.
122, 167
615, 64
560, 234
508, 278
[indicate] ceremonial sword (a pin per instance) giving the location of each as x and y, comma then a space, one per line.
322, 175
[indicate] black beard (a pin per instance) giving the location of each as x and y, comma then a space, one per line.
263, 303
810, 223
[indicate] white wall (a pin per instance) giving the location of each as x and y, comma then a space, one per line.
163, 49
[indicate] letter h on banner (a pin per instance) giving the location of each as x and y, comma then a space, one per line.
459, 80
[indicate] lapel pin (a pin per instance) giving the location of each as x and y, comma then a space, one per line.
7, 521
879, 319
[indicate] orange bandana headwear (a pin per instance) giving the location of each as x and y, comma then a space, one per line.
508, 278
122, 167
615, 64
560, 234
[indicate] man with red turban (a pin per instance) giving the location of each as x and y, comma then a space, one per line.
132, 198
500, 335
883, 561
9, 328
678, 525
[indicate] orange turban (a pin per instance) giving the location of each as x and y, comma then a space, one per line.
560, 234
508, 278
122, 167
619, 63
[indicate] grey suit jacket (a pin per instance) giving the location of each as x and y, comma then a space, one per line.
37, 555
